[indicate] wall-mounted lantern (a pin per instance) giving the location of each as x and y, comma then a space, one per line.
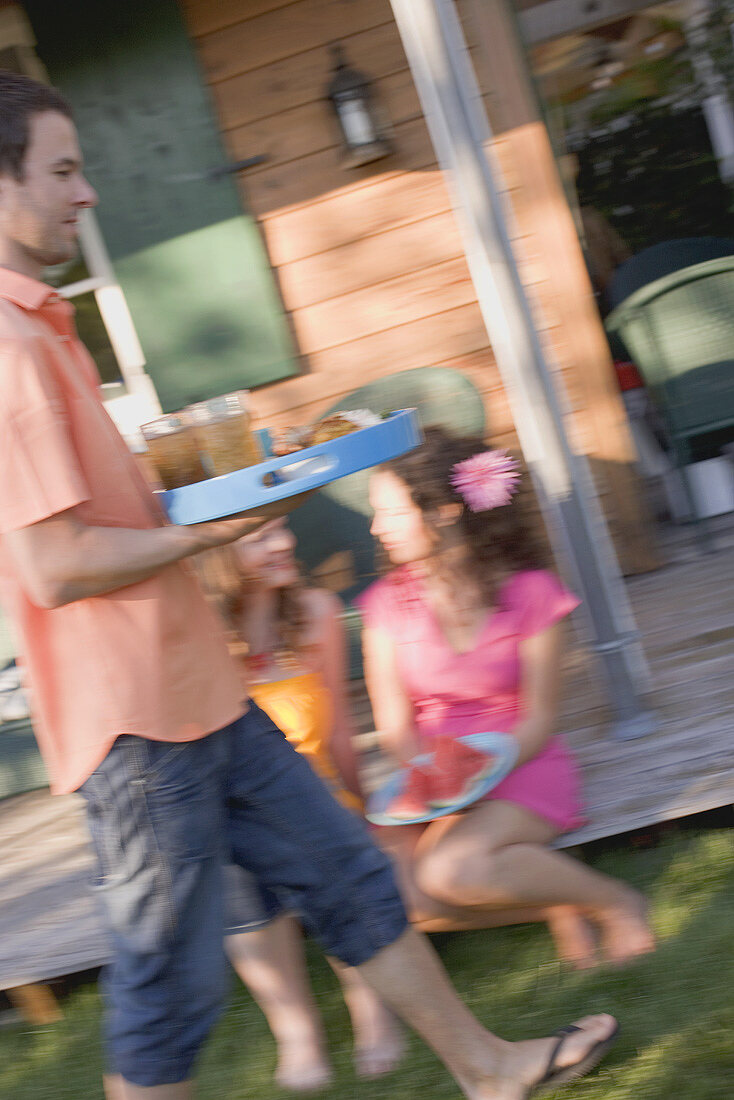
364, 130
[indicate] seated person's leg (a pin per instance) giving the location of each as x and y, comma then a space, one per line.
265, 947
379, 1043
497, 856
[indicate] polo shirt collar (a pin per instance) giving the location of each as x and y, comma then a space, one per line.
25, 292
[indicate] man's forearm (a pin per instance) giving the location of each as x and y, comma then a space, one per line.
102, 559
60, 560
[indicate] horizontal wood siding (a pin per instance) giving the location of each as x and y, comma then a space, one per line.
369, 261
253, 42
280, 85
358, 265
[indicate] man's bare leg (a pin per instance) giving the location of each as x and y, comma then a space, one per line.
115, 1088
409, 976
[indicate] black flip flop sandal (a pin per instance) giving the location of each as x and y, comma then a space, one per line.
554, 1077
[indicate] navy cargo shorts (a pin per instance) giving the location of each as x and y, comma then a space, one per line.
165, 820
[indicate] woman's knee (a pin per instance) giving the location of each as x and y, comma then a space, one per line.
448, 875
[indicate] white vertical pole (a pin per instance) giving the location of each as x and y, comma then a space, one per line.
717, 106
116, 316
459, 128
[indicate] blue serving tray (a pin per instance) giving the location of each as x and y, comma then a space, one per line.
504, 746
246, 490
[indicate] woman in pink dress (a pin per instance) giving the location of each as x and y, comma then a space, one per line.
465, 635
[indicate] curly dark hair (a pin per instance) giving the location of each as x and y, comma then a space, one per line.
496, 543
21, 98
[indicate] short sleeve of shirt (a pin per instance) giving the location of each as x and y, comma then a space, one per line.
540, 601
39, 471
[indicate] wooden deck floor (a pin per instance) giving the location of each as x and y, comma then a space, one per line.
685, 614
49, 923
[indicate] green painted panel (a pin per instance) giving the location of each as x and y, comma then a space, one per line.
151, 143
235, 337
145, 123
21, 767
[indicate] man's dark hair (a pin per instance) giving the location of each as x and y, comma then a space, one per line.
21, 98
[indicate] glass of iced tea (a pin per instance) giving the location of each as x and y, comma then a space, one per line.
173, 450
225, 438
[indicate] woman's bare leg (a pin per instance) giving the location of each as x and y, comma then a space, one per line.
270, 961
573, 936
497, 856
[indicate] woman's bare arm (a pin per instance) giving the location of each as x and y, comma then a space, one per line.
334, 671
540, 676
391, 707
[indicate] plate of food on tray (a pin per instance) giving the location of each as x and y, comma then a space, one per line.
211, 464
458, 772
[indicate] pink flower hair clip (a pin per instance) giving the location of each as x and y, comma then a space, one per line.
487, 480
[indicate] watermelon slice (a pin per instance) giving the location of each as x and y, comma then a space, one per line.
412, 800
456, 768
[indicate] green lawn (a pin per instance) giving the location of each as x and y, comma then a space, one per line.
676, 1007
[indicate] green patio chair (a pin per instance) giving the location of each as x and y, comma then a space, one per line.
680, 333
337, 520
21, 768
663, 259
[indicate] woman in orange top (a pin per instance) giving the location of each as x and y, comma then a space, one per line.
292, 645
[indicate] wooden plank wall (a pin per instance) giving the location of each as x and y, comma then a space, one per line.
369, 261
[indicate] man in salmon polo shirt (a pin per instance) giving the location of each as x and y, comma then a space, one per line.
139, 707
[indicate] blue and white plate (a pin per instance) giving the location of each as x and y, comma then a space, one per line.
287, 476
503, 746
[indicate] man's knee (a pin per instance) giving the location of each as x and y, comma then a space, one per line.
360, 911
